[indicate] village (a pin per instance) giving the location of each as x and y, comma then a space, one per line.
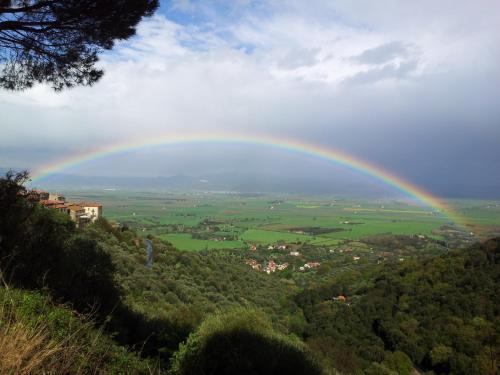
303, 257
270, 266
81, 213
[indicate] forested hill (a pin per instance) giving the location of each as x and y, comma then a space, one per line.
191, 313
442, 314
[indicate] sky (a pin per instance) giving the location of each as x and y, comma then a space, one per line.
413, 87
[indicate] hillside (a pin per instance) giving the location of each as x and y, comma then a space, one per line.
442, 313
438, 313
36, 337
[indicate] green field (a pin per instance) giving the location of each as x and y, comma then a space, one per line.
184, 241
196, 221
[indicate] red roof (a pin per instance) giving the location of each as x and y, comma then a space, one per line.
89, 204
47, 202
74, 207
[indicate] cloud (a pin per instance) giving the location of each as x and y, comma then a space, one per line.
383, 53
392, 71
350, 75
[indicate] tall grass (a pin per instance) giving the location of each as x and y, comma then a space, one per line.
26, 347
37, 337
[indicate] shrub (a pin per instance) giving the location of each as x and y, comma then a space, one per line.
241, 342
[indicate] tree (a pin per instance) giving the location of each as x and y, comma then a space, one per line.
57, 41
241, 342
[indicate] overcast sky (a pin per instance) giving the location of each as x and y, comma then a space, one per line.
411, 86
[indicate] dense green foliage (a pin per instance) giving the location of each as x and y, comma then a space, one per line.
443, 313
194, 312
241, 342
171, 298
41, 248
197, 283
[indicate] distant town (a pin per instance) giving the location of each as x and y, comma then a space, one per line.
81, 213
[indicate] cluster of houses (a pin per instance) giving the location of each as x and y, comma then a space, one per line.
291, 247
271, 266
81, 213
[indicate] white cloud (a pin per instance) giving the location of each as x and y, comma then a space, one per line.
273, 67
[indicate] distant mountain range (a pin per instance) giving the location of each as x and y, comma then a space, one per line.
245, 183
258, 183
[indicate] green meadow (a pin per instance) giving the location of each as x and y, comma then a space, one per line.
197, 221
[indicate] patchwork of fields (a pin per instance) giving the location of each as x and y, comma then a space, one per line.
196, 221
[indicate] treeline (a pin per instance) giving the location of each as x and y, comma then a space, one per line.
440, 315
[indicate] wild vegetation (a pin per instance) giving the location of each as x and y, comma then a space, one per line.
85, 300
442, 313
37, 337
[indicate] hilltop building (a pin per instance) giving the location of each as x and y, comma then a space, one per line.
56, 197
81, 213
93, 210
77, 214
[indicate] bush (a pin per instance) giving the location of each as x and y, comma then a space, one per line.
241, 342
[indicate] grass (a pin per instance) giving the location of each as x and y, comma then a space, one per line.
183, 241
269, 236
29, 351
37, 337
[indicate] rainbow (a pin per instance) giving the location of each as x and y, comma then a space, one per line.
329, 154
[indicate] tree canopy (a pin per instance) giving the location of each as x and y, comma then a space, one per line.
58, 41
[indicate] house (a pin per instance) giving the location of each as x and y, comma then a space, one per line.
294, 253
81, 213
77, 214
61, 207
56, 197
312, 265
49, 203
282, 247
270, 247
281, 267
271, 266
340, 298
254, 264
356, 258
92, 209
252, 247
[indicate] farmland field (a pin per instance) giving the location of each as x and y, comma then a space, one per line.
196, 221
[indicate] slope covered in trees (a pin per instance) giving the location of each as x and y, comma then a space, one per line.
440, 314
